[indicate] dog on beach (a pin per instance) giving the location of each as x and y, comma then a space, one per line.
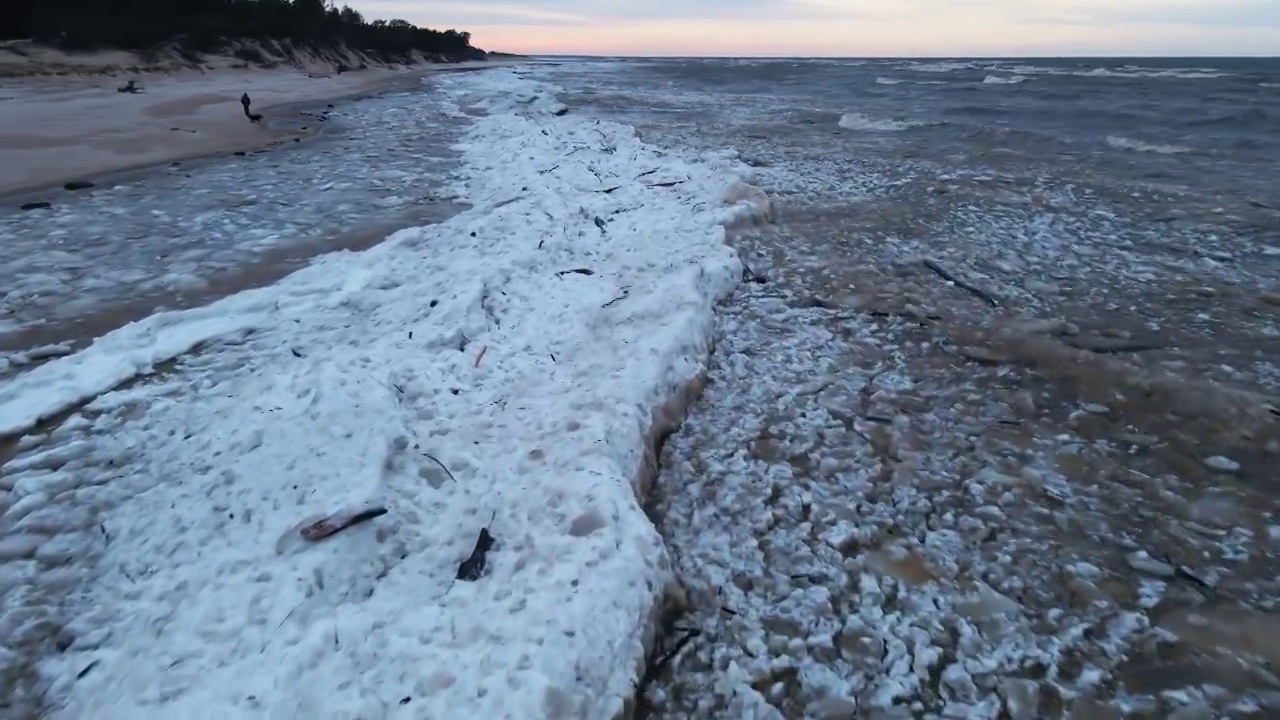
254, 117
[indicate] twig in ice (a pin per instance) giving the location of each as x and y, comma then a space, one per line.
480, 356
339, 521
443, 467
975, 291
550, 169
656, 667
282, 622
623, 296
576, 271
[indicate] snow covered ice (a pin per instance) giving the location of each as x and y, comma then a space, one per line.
150, 564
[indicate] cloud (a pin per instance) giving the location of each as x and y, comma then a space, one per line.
854, 27
589, 11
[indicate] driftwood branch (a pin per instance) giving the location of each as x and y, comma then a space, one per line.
657, 665
473, 567
977, 292
1108, 345
338, 522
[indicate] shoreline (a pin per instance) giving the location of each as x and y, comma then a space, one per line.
288, 99
256, 272
277, 137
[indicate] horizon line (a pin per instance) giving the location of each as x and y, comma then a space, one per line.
662, 56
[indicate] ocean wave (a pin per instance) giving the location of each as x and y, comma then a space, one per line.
900, 81
858, 121
1124, 143
1244, 117
940, 67
1188, 74
997, 80
1123, 71
1009, 138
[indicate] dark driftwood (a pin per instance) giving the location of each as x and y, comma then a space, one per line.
473, 567
337, 522
977, 292
1107, 345
658, 663
576, 271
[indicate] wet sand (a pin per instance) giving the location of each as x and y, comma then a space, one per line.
53, 131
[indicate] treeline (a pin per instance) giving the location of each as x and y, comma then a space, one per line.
207, 25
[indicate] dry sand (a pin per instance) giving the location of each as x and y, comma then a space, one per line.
56, 128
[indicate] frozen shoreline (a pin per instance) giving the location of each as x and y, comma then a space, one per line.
186, 235
531, 344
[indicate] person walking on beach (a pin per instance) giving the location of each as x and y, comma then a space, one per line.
244, 100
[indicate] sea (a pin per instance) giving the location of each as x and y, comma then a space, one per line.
991, 431
1209, 126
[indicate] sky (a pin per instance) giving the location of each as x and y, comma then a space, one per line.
852, 28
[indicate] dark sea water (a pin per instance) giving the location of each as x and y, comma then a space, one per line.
1207, 124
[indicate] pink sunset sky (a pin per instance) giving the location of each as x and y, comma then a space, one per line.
857, 28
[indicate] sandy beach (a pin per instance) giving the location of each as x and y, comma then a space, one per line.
57, 129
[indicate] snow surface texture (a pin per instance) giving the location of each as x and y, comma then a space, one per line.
150, 550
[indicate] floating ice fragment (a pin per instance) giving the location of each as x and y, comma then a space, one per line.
1221, 464
1143, 562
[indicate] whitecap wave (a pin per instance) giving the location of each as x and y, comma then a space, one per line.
940, 67
1124, 143
858, 121
998, 80
1123, 71
1134, 72
900, 81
